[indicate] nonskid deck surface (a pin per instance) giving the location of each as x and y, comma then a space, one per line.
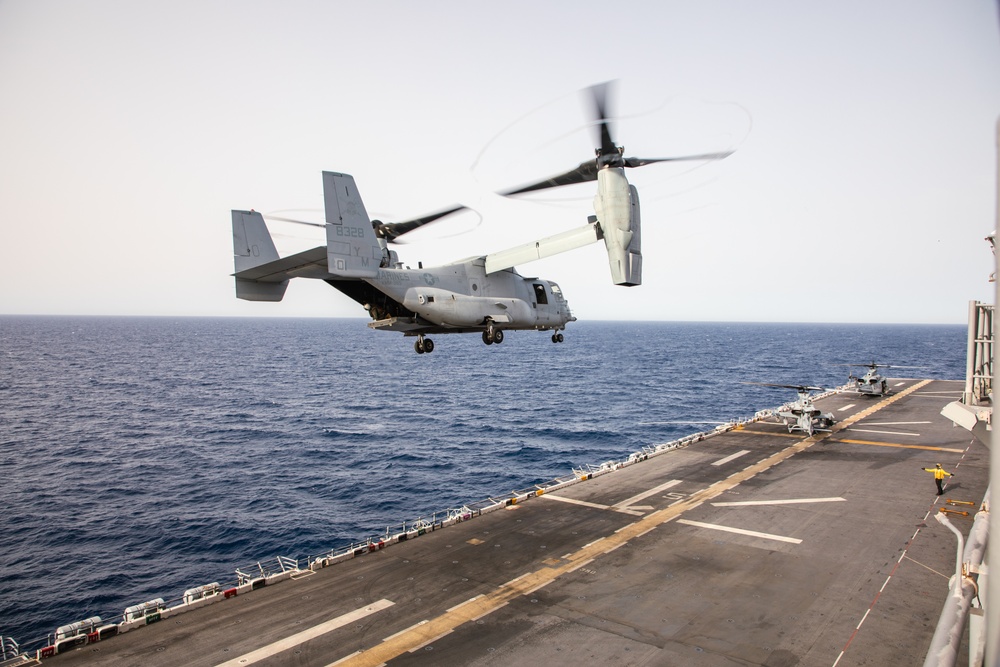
753, 547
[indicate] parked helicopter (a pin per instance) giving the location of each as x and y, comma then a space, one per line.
872, 383
482, 294
801, 414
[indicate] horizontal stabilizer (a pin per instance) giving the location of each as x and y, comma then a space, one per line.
306, 264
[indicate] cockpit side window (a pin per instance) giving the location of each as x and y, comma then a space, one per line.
540, 295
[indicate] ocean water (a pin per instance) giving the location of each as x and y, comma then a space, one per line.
140, 457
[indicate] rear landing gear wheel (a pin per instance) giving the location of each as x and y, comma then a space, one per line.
422, 345
487, 338
498, 336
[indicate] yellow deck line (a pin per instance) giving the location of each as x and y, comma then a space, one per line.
776, 434
483, 605
902, 446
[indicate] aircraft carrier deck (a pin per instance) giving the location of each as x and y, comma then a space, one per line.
750, 547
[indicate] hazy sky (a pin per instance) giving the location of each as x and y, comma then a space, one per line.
863, 183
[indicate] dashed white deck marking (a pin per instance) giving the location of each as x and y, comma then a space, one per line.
847, 407
731, 457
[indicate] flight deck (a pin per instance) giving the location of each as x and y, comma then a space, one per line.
754, 546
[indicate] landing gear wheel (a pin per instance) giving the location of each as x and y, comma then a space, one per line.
555, 338
422, 345
559, 338
487, 338
498, 336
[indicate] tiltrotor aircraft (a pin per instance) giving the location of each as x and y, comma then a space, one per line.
481, 294
801, 414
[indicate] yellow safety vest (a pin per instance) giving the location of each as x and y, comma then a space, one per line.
939, 473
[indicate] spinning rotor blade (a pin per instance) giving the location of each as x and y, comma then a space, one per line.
297, 222
874, 365
797, 387
599, 93
587, 171
391, 231
608, 154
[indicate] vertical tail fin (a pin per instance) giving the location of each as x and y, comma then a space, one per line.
352, 249
253, 247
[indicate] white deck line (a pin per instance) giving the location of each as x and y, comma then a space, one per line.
552, 496
740, 531
301, 637
731, 457
624, 504
789, 501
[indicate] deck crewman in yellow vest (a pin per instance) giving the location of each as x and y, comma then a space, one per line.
939, 475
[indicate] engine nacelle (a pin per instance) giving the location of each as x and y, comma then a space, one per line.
617, 209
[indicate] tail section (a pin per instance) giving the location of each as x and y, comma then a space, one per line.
253, 248
352, 249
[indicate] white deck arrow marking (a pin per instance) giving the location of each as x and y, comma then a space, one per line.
625, 505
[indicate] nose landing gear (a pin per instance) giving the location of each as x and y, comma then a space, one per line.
557, 338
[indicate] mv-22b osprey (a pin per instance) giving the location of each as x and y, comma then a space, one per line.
481, 294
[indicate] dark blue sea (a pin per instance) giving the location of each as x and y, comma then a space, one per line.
140, 457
